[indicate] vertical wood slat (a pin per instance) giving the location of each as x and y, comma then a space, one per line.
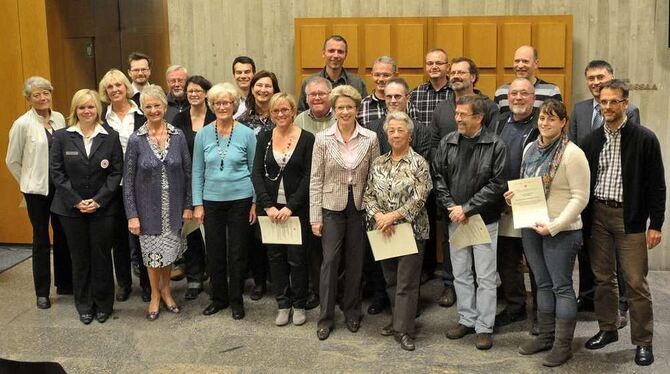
514, 35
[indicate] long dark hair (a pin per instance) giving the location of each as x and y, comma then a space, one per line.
251, 101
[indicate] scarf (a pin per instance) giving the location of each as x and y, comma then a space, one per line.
542, 160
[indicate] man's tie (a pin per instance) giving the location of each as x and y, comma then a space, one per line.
597, 118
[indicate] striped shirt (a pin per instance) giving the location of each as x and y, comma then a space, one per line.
609, 184
543, 91
424, 99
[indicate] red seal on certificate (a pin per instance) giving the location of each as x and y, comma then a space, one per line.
104, 163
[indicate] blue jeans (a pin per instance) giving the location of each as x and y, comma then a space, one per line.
552, 260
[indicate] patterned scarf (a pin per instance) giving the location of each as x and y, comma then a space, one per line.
542, 160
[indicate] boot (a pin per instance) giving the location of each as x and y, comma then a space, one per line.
562, 350
545, 339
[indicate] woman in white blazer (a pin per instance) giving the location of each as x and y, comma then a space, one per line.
27, 159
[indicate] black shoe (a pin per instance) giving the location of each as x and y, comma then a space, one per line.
238, 313
123, 294
64, 291
146, 294
213, 308
644, 355
257, 292
601, 339
448, 297
585, 304
406, 341
86, 318
377, 306
101, 316
192, 293
323, 333
312, 302
353, 325
387, 330
43, 302
425, 277
506, 317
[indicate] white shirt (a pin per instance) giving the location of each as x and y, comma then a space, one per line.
125, 126
88, 141
241, 108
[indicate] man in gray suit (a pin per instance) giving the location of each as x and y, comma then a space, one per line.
585, 118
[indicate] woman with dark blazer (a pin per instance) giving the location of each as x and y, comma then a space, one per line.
281, 181
190, 122
125, 117
86, 166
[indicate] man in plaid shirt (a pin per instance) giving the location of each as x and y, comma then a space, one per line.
372, 106
627, 191
425, 98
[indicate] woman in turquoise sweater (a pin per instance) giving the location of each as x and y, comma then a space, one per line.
223, 197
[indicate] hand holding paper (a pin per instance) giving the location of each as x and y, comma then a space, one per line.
529, 205
470, 233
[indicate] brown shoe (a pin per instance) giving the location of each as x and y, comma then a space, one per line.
484, 341
458, 331
448, 297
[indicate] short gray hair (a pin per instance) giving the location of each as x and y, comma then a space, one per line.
153, 91
386, 60
36, 83
314, 80
222, 89
399, 116
172, 68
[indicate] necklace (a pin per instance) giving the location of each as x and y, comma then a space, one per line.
222, 152
284, 160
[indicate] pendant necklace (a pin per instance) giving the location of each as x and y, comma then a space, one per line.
222, 152
284, 159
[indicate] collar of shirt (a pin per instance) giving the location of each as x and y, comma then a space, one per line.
136, 88
406, 158
133, 109
339, 137
595, 103
34, 112
144, 129
618, 129
375, 98
343, 76
475, 135
327, 117
97, 130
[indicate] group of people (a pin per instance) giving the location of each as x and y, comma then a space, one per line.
344, 161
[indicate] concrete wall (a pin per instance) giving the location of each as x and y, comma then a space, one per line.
206, 35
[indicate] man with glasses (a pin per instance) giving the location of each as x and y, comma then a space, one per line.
372, 106
176, 76
517, 128
139, 71
334, 53
585, 118
466, 188
624, 217
525, 66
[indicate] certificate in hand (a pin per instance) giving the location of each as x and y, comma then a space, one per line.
399, 244
529, 205
471, 233
287, 232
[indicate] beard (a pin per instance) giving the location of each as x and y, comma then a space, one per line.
520, 109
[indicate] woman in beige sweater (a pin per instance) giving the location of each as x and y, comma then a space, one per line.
551, 247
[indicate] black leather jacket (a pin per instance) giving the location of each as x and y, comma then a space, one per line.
490, 180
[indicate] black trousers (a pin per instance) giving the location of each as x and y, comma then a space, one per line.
121, 251
227, 234
257, 258
288, 269
90, 240
373, 276
430, 255
315, 258
510, 269
343, 236
38, 212
194, 259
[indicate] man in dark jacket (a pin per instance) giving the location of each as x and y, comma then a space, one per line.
627, 190
470, 179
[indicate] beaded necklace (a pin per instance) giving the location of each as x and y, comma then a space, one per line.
222, 152
283, 161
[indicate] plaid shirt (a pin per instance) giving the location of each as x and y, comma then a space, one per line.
609, 184
424, 99
373, 108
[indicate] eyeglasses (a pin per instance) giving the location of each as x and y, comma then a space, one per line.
435, 63
523, 94
282, 111
463, 115
394, 97
222, 103
611, 102
459, 72
139, 70
317, 94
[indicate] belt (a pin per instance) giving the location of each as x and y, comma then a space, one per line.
610, 203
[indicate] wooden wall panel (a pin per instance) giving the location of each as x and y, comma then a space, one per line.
550, 41
487, 84
514, 35
311, 39
449, 36
413, 80
410, 45
481, 44
377, 42
350, 33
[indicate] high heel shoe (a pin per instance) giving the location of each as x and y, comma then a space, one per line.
152, 316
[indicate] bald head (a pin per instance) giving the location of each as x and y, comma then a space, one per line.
525, 62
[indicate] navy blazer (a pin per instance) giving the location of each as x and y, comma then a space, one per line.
579, 125
79, 177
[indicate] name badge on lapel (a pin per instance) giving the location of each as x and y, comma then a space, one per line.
104, 163
71, 153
